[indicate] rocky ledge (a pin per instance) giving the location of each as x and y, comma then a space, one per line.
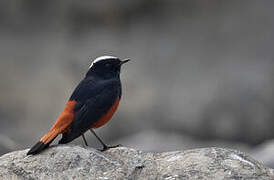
75, 162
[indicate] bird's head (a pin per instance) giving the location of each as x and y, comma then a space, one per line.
106, 67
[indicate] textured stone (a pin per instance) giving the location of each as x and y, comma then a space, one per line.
74, 162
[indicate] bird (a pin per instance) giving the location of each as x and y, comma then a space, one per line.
91, 105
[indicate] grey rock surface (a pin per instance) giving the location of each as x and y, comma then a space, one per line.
74, 162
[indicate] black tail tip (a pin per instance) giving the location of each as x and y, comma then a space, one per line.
38, 147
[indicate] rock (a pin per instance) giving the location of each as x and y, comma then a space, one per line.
74, 162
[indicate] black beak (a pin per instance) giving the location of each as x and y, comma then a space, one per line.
124, 61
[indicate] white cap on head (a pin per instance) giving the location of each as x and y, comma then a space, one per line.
102, 58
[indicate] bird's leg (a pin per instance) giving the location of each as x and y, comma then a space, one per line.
83, 136
105, 147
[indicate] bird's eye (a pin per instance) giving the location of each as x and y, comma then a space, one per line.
107, 64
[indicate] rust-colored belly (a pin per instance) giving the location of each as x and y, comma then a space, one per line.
103, 120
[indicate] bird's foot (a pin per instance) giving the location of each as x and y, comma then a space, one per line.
108, 147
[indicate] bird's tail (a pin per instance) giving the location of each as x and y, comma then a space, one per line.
44, 142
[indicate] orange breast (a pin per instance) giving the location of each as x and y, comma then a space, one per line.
103, 120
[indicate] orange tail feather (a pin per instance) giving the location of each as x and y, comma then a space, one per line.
43, 143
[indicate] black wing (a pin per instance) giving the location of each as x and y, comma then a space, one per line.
90, 111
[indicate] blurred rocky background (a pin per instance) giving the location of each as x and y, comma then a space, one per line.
202, 72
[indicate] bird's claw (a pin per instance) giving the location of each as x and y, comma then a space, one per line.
108, 147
